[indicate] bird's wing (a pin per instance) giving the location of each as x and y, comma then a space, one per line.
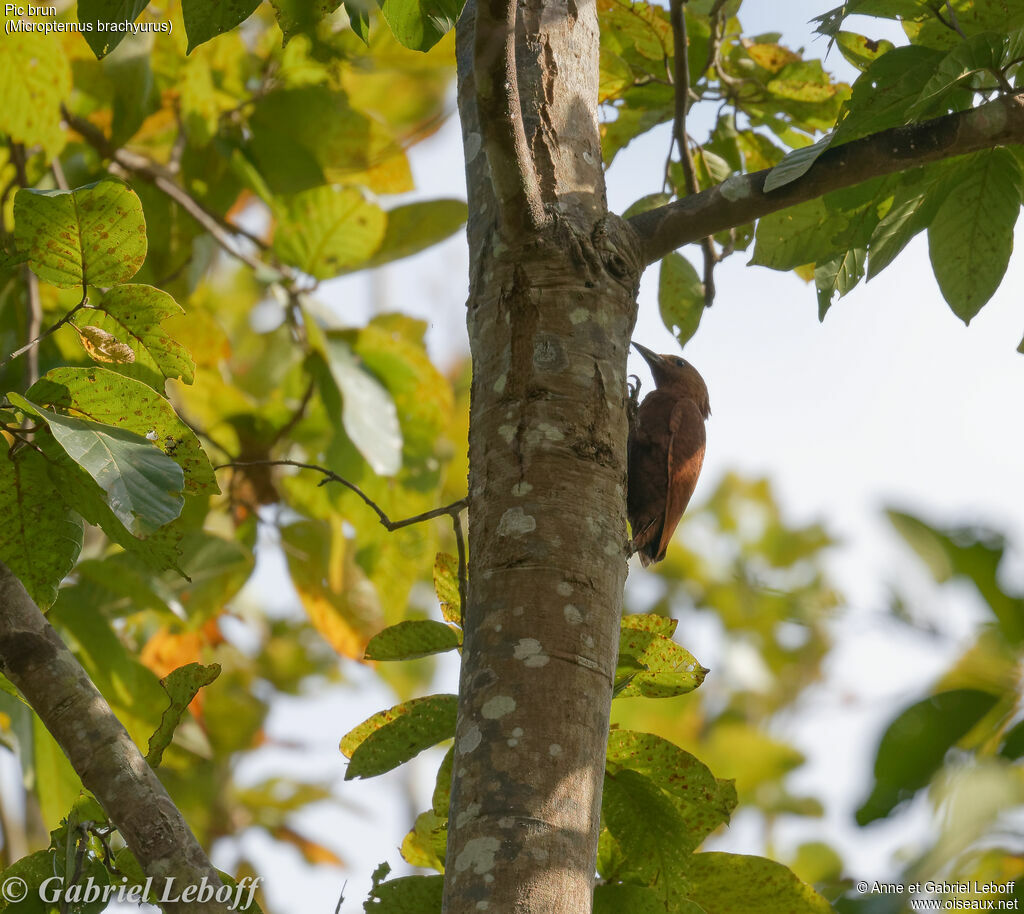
648, 471
685, 458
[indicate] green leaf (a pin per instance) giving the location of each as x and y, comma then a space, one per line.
181, 686
914, 205
619, 898
969, 553
916, 742
57, 785
94, 234
426, 843
142, 485
736, 884
971, 237
205, 20
797, 235
645, 204
406, 895
860, 50
795, 164
446, 586
680, 296
412, 638
840, 275
658, 667
391, 737
978, 53
40, 538
111, 399
416, 226
420, 24
33, 82
650, 832
295, 16
26, 875
101, 13
132, 314
702, 801
325, 231
359, 20
884, 93
649, 622
307, 136
442, 795
368, 411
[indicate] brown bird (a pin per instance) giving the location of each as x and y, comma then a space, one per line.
665, 452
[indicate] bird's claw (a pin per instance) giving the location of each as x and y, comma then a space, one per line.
634, 389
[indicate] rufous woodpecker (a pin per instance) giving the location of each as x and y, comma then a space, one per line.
665, 451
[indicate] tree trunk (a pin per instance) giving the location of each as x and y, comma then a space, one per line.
550, 316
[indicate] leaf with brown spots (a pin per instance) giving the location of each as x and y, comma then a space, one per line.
94, 234
112, 399
132, 314
396, 735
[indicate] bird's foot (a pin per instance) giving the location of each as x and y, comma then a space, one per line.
634, 389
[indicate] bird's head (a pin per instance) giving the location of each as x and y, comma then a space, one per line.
674, 373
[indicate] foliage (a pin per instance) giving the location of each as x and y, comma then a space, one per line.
770, 103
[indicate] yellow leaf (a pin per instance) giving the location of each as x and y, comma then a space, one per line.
773, 57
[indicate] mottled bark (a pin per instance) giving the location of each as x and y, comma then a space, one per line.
550, 315
99, 748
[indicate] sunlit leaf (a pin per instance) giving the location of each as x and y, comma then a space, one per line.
94, 234
142, 485
40, 538
412, 638
971, 237
391, 737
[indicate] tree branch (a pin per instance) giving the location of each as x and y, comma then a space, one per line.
53, 682
500, 115
742, 198
681, 81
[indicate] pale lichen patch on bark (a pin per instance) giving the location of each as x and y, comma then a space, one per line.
554, 750
521, 488
531, 652
471, 811
498, 706
516, 522
470, 739
572, 614
579, 315
563, 588
478, 855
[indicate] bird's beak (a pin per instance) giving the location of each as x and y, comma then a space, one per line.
650, 357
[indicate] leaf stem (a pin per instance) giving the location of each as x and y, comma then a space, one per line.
66, 319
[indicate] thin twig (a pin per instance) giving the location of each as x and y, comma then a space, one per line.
681, 79
330, 476
42, 336
453, 510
